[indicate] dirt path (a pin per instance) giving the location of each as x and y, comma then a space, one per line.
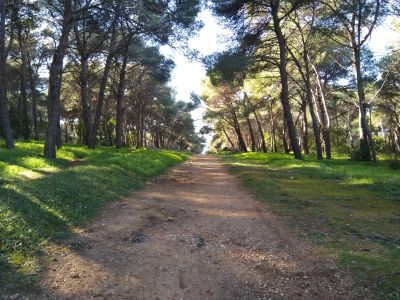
195, 233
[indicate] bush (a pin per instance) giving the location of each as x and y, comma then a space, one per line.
363, 153
394, 164
355, 155
380, 144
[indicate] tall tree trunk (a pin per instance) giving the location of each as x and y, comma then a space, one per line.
100, 102
350, 132
253, 139
284, 139
274, 146
315, 123
5, 118
324, 115
261, 132
107, 135
305, 73
84, 53
33, 94
305, 125
85, 97
238, 131
284, 80
55, 80
120, 99
66, 136
366, 143
23, 85
227, 137
103, 85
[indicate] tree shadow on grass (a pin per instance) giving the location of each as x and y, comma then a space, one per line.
32, 211
25, 225
46, 208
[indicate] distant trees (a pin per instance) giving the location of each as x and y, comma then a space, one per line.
316, 53
350, 24
103, 74
262, 28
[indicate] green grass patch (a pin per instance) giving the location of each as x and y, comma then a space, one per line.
350, 208
42, 199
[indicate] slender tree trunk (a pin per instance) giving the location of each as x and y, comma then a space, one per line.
284, 140
305, 72
284, 81
33, 93
55, 80
305, 125
274, 146
143, 130
81, 45
107, 135
366, 143
315, 124
324, 115
120, 99
253, 139
103, 86
227, 137
100, 102
23, 86
5, 118
397, 144
238, 131
261, 131
66, 138
85, 97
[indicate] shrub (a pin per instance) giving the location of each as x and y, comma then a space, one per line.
394, 164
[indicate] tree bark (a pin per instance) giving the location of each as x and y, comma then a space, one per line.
324, 115
284, 140
55, 80
272, 128
305, 126
310, 102
227, 137
238, 131
5, 118
253, 140
85, 98
366, 142
23, 86
305, 73
261, 131
120, 99
33, 94
284, 81
102, 89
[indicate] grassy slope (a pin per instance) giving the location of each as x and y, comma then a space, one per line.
43, 199
351, 209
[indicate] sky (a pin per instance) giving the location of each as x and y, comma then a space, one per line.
188, 75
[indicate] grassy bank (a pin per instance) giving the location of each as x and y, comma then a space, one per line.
41, 200
351, 209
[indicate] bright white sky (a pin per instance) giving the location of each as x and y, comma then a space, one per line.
188, 75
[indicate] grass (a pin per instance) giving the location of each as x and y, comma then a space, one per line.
351, 209
41, 200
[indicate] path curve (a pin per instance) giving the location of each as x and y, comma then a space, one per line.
194, 233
